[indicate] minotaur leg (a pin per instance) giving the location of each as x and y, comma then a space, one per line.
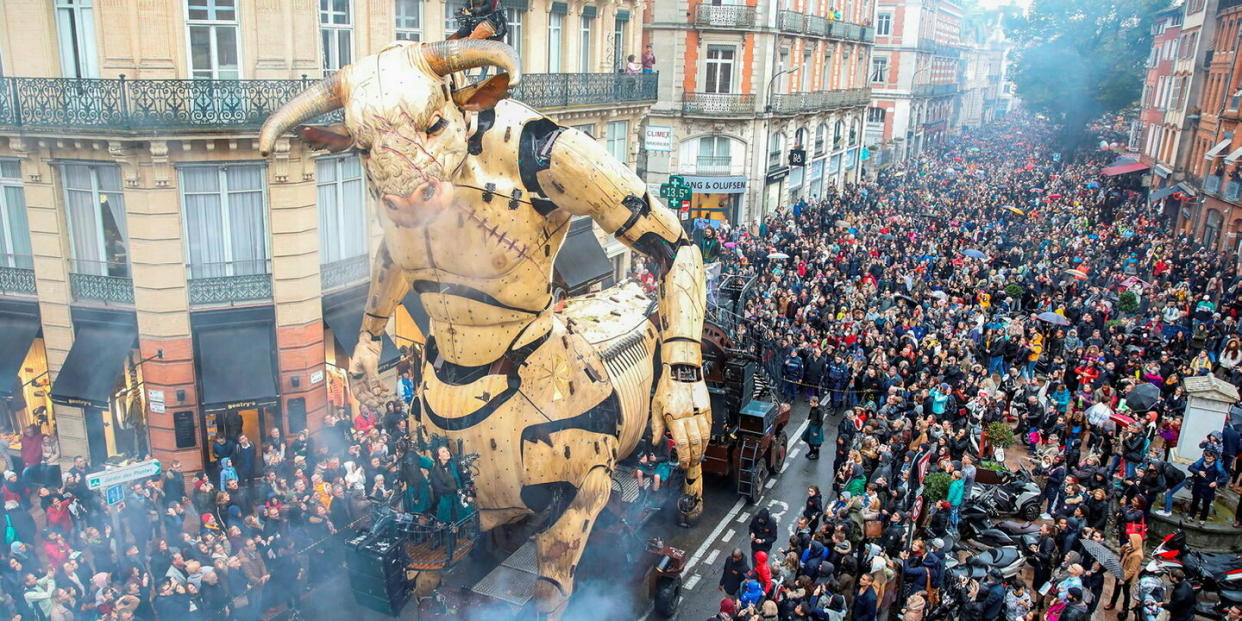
560, 546
690, 506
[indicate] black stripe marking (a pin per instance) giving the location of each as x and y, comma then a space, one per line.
470, 293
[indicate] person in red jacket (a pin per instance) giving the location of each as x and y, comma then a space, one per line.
763, 570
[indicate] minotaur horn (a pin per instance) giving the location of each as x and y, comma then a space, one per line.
445, 57
322, 98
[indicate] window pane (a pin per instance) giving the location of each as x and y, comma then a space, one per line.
10, 169
200, 49
226, 48
341, 7
327, 48
18, 230
345, 50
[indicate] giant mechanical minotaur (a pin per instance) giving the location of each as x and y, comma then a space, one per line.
475, 194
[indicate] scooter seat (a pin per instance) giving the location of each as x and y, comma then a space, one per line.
995, 558
1014, 527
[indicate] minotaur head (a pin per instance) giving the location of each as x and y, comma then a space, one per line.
402, 114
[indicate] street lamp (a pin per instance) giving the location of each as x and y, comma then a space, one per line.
771, 82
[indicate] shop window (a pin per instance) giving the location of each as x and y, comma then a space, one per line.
225, 219
96, 215
409, 20
14, 231
336, 31
342, 208
212, 32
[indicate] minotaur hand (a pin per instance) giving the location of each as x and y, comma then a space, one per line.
364, 373
686, 411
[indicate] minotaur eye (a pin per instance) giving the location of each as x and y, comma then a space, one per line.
437, 126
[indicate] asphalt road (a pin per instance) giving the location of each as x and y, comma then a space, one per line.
611, 588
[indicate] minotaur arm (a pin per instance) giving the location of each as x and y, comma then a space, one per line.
388, 287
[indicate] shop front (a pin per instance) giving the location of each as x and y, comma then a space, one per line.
100, 388
851, 163
772, 189
342, 318
816, 184
235, 356
24, 394
716, 198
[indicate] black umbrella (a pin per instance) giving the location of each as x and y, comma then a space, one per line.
1108, 560
1142, 398
905, 298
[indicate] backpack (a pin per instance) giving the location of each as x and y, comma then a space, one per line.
1173, 475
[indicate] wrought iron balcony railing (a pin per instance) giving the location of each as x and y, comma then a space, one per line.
816, 25
101, 281
796, 103
1233, 190
228, 282
717, 103
713, 164
59, 105
789, 21
725, 16
17, 274
344, 272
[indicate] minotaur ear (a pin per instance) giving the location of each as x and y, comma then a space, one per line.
334, 138
484, 95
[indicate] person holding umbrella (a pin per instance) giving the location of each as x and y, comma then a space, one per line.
1131, 563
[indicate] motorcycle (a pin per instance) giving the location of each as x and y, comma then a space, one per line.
1017, 494
1212, 572
978, 532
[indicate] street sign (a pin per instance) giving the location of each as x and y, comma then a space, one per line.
115, 494
676, 189
124, 474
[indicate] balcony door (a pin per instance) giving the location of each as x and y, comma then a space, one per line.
719, 66
713, 156
75, 32
336, 31
212, 32
14, 231
96, 216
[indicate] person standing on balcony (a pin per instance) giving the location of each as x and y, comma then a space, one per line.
649, 60
632, 65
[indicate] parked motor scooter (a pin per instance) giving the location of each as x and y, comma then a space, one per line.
1017, 494
978, 532
1209, 572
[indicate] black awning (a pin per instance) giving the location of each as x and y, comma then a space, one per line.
95, 363
19, 324
1161, 193
581, 261
235, 353
344, 318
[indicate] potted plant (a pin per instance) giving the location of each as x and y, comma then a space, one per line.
1127, 302
1000, 437
935, 488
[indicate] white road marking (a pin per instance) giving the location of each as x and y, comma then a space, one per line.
727, 537
711, 538
770, 484
776, 515
784, 467
742, 517
692, 582
711, 558
792, 454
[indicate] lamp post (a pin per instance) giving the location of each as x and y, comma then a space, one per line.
771, 82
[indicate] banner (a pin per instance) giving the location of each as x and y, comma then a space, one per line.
658, 138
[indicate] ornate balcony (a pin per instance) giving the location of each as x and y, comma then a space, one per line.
817, 26
724, 16
118, 106
101, 281
789, 21
718, 103
16, 275
227, 282
344, 272
800, 103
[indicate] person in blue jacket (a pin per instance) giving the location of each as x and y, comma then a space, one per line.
752, 590
791, 373
1208, 474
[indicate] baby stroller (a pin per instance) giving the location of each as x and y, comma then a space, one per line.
1151, 594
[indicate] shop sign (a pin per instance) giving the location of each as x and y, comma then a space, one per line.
115, 495
778, 174
716, 185
239, 405
124, 474
316, 377
155, 401
658, 138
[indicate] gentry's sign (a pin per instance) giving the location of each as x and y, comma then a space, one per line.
716, 185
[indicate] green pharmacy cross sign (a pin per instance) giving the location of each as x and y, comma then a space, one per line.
676, 189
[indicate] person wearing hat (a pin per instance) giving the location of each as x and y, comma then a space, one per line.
1207, 475
1075, 609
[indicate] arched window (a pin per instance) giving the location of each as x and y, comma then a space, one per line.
802, 139
776, 146
838, 134
853, 132
821, 139
714, 156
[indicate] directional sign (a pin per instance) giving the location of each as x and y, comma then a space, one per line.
115, 494
124, 474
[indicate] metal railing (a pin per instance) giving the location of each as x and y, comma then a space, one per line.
789, 21
345, 272
1233, 190
117, 105
796, 103
725, 16
562, 90
229, 281
103, 281
713, 164
1211, 184
816, 25
718, 103
17, 274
